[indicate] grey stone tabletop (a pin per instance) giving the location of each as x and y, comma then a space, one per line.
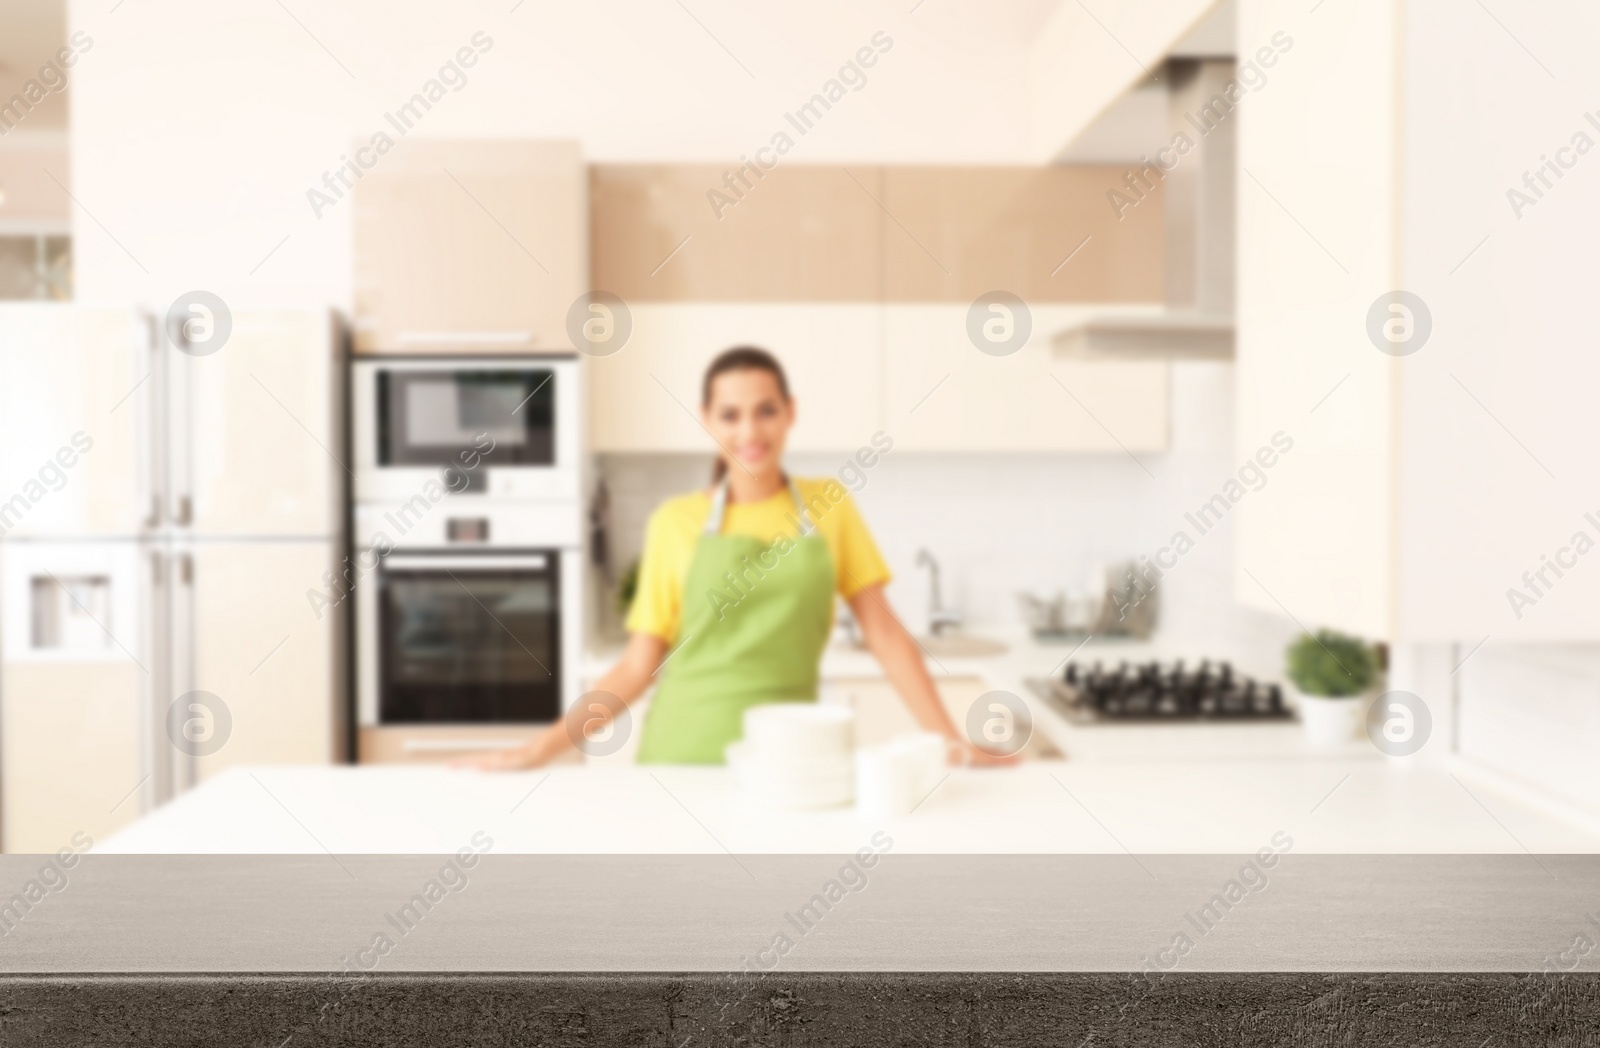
864, 949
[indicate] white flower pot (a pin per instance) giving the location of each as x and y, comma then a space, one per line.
1332, 722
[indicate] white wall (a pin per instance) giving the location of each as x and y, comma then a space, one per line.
1000, 524
198, 127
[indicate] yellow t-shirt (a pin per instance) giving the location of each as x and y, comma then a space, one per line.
677, 524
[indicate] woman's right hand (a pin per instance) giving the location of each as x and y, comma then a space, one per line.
626, 681
516, 758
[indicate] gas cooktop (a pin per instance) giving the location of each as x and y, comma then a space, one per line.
1154, 692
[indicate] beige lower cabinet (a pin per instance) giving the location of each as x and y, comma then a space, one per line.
646, 397
881, 714
70, 749
258, 645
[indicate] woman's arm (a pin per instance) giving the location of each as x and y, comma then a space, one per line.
627, 680
901, 659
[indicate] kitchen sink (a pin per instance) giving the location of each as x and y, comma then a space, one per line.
961, 646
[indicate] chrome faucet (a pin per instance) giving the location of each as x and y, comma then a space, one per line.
940, 618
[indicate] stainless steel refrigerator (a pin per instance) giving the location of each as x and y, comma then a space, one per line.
166, 513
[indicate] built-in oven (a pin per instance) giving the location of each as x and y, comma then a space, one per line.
469, 639
503, 427
468, 624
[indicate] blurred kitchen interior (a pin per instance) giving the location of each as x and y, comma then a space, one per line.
1184, 314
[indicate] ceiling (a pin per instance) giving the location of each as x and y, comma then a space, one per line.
1139, 123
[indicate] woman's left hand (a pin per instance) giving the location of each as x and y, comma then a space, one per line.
964, 754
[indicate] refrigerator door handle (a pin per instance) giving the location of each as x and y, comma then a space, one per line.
146, 406
156, 760
180, 631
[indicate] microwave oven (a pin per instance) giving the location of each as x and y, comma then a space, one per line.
506, 427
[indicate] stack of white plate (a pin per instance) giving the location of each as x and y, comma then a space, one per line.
796, 755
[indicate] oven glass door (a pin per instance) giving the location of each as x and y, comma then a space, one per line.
469, 638
428, 418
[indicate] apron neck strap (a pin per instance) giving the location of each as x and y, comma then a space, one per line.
719, 508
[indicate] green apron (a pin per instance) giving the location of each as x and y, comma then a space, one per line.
755, 620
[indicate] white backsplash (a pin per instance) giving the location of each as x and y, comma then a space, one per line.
1000, 524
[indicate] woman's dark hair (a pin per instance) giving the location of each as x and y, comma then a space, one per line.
740, 358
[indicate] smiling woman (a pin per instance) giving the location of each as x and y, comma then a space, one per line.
736, 593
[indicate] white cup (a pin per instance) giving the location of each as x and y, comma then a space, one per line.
893, 778
886, 781
925, 751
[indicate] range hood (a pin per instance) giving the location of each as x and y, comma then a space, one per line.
1198, 190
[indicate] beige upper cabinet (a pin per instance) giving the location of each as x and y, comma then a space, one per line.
681, 233
871, 234
861, 280
473, 246
1045, 234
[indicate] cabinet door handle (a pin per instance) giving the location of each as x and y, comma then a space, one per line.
186, 569
154, 519
155, 568
185, 511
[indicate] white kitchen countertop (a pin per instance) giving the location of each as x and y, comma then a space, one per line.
1026, 658
1169, 804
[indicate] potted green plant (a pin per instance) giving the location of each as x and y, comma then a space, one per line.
1330, 673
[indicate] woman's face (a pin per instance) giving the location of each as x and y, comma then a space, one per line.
749, 417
